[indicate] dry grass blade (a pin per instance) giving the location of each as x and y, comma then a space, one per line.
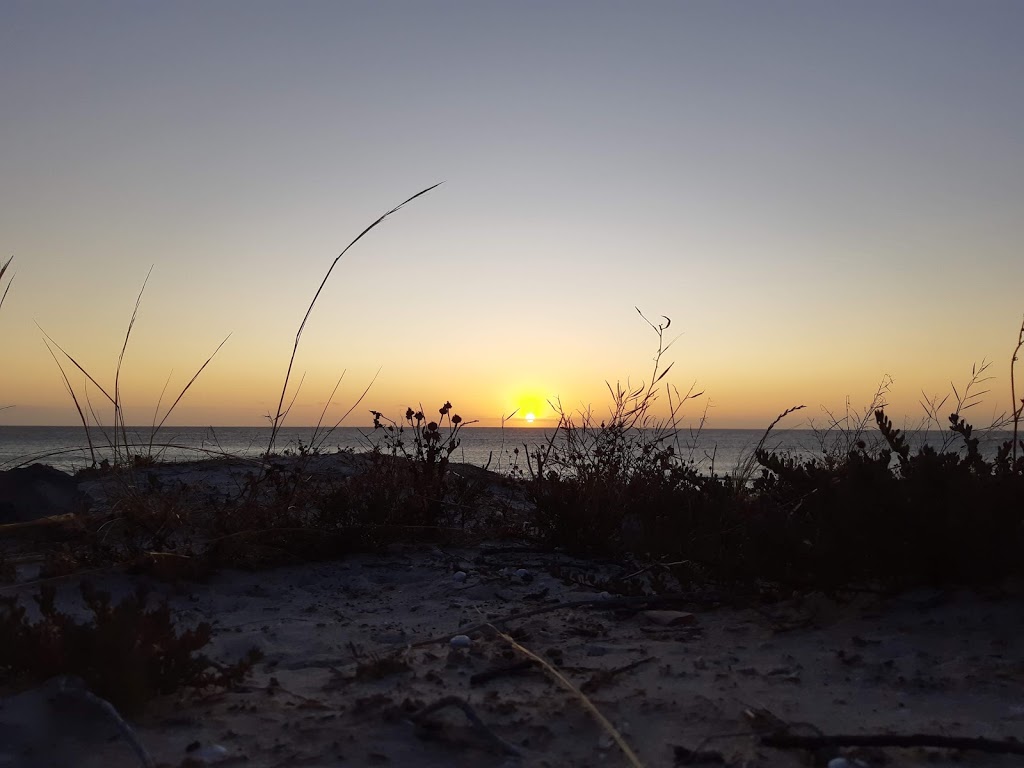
190, 383
323, 413
76, 364
118, 412
3, 269
345, 415
1018, 408
119, 427
78, 407
745, 471
284, 414
603, 721
95, 419
279, 416
156, 412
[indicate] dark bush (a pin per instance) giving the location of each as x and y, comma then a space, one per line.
127, 654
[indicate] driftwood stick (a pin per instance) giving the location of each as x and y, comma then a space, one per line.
606, 604
584, 700
994, 746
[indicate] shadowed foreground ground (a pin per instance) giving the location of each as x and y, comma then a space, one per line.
348, 664
359, 668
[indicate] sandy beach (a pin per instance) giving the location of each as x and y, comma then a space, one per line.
405, 657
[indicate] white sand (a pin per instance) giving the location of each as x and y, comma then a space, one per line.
942, 664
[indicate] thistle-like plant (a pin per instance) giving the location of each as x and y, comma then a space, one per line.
425, 446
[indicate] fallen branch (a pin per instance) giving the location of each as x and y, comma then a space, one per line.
784, 740
600, 603
602, 676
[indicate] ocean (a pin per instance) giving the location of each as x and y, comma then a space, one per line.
718, 450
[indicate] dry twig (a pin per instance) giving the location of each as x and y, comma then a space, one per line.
993, 746
580, 696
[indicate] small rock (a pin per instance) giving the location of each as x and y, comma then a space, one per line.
210, 754
845, 762
670, 618
459, 576
524, 575
460, 641
29, 493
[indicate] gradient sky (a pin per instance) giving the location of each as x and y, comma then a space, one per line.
817, 194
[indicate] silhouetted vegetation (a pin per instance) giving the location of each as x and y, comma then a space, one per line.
127, 654
930, 517
857, 514
864, 511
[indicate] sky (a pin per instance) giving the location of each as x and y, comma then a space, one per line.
818, 195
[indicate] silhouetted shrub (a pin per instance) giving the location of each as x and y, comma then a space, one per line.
409, 483
929, 517
127, 654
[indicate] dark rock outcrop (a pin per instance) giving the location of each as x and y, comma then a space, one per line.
30, 493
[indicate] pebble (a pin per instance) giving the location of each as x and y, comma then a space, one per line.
459, 576
845, 762
211, 753
460, 641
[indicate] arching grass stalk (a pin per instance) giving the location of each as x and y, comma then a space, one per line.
745, 471
278, 420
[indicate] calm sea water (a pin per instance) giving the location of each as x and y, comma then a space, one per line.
720, 450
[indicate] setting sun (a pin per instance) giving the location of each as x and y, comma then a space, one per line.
530, 418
